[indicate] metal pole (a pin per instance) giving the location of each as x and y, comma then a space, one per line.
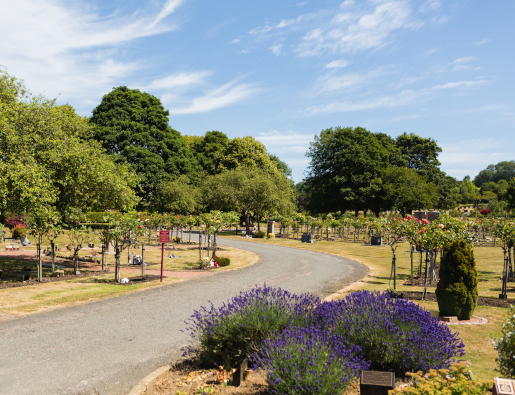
162, 259
143, 260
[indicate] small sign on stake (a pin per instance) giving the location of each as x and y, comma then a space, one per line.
164, 237
376, 383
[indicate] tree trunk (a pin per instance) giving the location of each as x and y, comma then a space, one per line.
214, 245
53, 256
117, 265
40, 265
143, 260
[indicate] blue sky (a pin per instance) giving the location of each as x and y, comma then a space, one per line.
282, 71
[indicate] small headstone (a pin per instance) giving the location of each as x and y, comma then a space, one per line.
239, 375
449, 319
376, 240
503, 387
376, 383
419, 215
306, 238
432, 215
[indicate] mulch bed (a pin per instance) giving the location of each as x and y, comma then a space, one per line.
481, 301
16, 284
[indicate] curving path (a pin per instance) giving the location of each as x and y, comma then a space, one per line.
106, 347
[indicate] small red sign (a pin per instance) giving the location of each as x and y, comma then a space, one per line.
164, 236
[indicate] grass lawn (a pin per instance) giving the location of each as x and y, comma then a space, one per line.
489, 260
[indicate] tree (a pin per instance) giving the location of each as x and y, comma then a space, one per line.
177, 196
510, 194
46, 161
345, 169
133, 127
247, 151
501, 171
420, 153
468, 191
406, 190
248, 190
209, 151
281, 166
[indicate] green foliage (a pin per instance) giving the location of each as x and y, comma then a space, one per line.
510, 194
47, 160
221, 261
454, 381
456, 290
505, 347
260, 235
133, 127
177, 196
270, 236
19, 231
421, 154
209, 151
501, 171
468, 191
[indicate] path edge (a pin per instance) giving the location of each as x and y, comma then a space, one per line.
143, 384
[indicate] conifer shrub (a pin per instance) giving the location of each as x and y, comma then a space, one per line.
260, 235
456, 291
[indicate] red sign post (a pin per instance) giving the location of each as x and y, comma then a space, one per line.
164, 237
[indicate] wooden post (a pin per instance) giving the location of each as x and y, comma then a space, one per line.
143, 260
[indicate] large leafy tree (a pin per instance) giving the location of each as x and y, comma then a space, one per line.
133, 127
421, 154
493, 173
177, 196
45, 159
249, 190
345, 170
210, 150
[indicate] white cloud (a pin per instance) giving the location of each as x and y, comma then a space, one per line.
282, 142
460, 84
180, 80
481, 42
223, 96
430, 5
355, 31
276, 48
69, 48
346, 3
337, 64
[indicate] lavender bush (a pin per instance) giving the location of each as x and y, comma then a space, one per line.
394, 334
227, 335
309, 361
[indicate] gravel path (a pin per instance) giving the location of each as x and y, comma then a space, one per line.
106, 347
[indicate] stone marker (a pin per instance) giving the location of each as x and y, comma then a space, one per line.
503, 387
376, 383
376, 240
238, 376
306, 238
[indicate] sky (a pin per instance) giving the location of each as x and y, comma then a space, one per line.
283, 71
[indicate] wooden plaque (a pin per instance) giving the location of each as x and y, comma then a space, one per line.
378, 379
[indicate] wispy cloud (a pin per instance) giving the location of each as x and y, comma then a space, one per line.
336, 64
481, 42
284, 142
228, 94
67, 46
277, 47
460, 84
180, 80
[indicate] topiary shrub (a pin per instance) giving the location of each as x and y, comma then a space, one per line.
259, 235
395, 334
456, 290
505, 346
228, 334
221, 261
19, 231
306, 361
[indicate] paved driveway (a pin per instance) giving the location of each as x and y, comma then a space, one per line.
106, 347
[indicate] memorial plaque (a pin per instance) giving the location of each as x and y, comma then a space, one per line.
270, 227
504, 387
379, 379
419, 215
376, 240
306, 238
239, 375
432, 215
164, 236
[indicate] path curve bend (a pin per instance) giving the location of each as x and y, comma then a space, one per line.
106, 347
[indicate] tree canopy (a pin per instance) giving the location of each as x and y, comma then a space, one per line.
133, 127
494, 173
46, 160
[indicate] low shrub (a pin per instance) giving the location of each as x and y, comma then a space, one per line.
228, 334
454, 381
394, 334
505, 347
19, 231
270, 236
457, 292
259, 234
221, 261
306, 361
